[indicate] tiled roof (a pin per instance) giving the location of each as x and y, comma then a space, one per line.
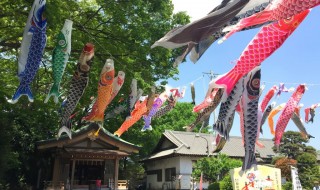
190, 143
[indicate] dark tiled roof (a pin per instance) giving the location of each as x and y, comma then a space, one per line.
190, 143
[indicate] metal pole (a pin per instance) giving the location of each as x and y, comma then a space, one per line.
198, 135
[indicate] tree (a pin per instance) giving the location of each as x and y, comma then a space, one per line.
215, 168
294, 147
308, 169
284, 165
292, 144
122, 30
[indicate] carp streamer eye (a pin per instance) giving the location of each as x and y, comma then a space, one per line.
256, 83
288, 20
108, 77
84, 67
62, 42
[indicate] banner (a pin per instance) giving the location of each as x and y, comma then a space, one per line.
200, 183
296, 185
257, 178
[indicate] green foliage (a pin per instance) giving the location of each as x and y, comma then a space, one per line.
306, 160
131, 171
214, 186
287, 186
212, 167
122, 30
226, 183
311, 150
292, 144
308, 169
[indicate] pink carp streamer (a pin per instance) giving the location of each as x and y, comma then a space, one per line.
287, 113
206, 102
276, 10
311, 111
267, 41
268, 97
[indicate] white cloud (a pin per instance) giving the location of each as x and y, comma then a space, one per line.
196, 9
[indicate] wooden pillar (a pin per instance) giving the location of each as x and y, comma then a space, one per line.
56, 171
65, 174
72, 172
116, 172
105, 177
39, 178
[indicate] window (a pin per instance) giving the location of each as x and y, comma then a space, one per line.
156, 172
170, 174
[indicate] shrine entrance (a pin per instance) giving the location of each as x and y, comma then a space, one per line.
83, 161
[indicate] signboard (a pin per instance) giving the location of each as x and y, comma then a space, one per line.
296, 185
257, 178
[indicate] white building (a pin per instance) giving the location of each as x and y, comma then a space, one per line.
170, 164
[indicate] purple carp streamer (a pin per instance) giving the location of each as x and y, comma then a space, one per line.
282, 88
147, 118
155, 107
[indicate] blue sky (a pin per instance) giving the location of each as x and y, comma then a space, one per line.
296, 61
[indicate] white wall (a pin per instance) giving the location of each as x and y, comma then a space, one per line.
161, 164
183, 167
186, 171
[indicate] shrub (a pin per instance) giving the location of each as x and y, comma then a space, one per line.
214, 186
287, 186
226, 183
